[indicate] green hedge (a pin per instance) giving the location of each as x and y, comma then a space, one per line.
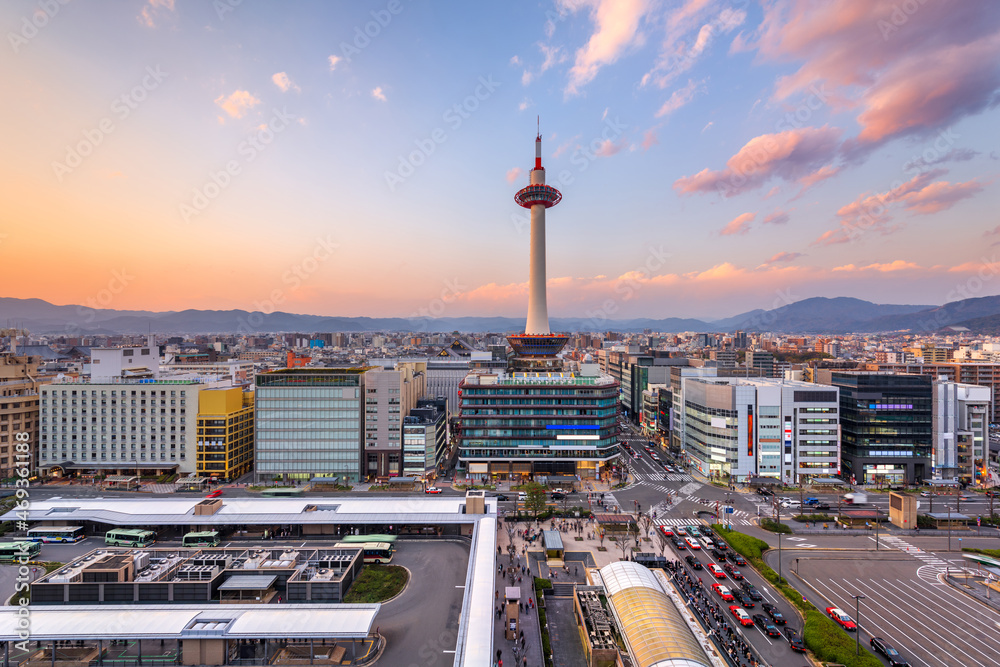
815, 517
774, 526
543, 585
831, 643
821, 635
995, 553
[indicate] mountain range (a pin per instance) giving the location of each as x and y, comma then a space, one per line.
814, 315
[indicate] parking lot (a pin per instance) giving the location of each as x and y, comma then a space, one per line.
930, 623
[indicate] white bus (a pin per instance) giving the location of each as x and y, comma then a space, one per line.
56, 534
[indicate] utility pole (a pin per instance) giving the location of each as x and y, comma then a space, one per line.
857, 616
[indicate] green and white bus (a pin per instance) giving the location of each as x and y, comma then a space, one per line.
129, 537
56, 534
390, 539
207, 538
11, 552
372, 552
281, 492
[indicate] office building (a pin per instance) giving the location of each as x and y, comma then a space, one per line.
112, 363
981, 373
886, 428
961, 432
425, 438
740, 427
224, 446
309, 423
762, 362
390, 394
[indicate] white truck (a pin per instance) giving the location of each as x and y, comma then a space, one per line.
855, 498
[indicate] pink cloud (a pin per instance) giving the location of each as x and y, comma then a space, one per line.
782, 257
739, 225
514, 174
679, 98
609, 148
773, 191
237, 104
649, 139
897, 265
776, 218
818, 176
788, 155
616, 28
939, 196
907, 72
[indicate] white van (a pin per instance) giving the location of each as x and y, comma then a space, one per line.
521, 495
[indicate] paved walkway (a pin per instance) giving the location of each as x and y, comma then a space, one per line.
528, 619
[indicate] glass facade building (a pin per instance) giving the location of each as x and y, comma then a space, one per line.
309, 422
886, 423
524, 424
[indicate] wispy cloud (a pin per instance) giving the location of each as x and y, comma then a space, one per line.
154, 9
739, 225
334, 60
378, 94
514, 174
238, 103
282, 81
616, 28
679, 98
782, 258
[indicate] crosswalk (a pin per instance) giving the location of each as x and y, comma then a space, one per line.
671, 521
932, 566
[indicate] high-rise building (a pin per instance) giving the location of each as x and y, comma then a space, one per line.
112, 363
225, 433
19, 385
309, 422
981, 373
762, 362
425, 438
534, 418
961, 432
886, 428
760, 426
390, 394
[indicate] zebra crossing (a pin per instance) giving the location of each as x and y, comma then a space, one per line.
933, 565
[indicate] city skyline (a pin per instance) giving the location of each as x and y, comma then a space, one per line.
715, 156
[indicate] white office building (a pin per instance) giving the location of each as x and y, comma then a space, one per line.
766, 427
960, 426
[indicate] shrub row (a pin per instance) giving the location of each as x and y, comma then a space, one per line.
774, 526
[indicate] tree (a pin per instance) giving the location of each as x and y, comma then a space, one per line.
623, 543
601, 535
535, 499
662, 540
647, 522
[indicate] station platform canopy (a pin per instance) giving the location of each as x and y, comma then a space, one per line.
234, 621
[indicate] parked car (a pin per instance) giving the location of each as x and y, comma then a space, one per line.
739, 560
723, 592
766, 626
556, 495
432, 489
719, 555
733, 572
693, 562
743, 599
741, 616
502, 496
679, 544
716, 571
666, 531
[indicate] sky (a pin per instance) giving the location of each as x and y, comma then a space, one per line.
361, 158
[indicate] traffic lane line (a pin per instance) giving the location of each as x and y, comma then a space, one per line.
873, 609
989, 620
943, 624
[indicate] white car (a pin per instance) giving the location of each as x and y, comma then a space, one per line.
693, 543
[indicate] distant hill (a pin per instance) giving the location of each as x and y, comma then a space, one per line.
813, 315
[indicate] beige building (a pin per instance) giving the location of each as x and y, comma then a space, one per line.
19, 384
390, 394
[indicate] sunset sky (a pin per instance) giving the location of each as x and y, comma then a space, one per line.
361, 158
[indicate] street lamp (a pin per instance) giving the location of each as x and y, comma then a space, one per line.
857, 616
779, 557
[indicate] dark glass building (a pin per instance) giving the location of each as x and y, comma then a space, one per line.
886, 426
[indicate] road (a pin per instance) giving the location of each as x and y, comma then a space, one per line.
929, 622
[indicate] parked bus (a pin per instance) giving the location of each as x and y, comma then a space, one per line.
373, 552
280, 492
56, 534
129, 537
208, 538
390, 539
16, 551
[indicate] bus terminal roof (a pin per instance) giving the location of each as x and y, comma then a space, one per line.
182, 621
253, 511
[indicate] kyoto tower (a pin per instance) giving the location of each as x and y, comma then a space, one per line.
537, 347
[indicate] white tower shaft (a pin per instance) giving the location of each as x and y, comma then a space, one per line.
538, 311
